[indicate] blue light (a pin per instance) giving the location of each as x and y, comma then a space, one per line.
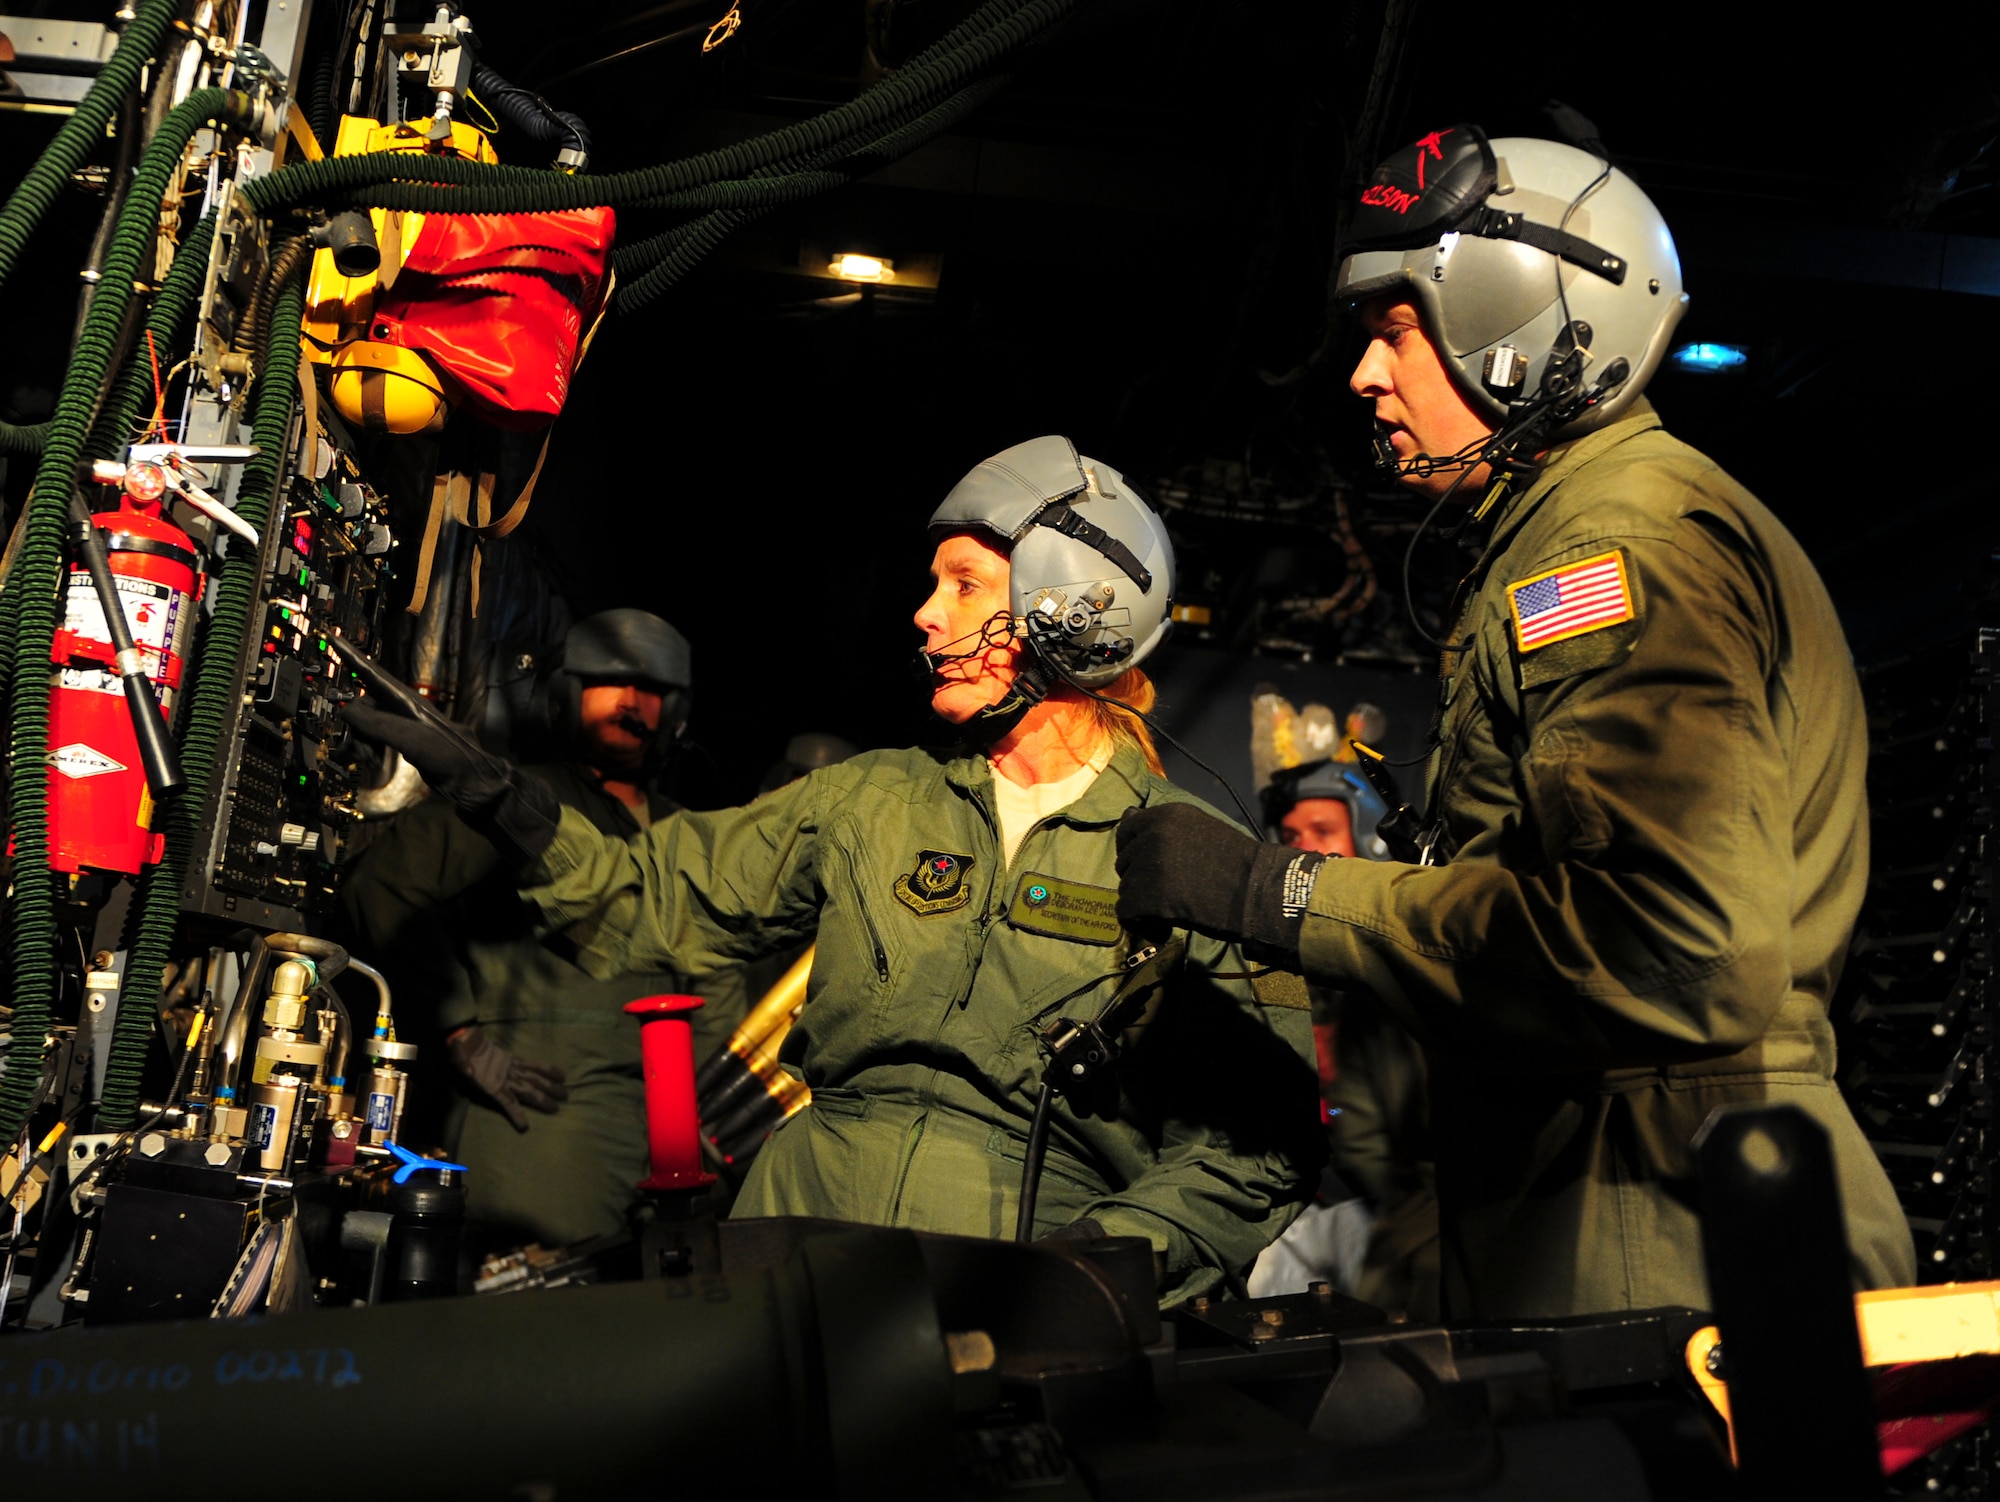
1710, 358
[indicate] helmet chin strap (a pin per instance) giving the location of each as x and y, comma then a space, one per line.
1031, 684
1029, 688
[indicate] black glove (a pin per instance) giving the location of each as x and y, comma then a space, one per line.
1077, 1230
493, 794
506, 1079
1181, 868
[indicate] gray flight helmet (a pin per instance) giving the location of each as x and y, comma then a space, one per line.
1291, 786
1476, 233
1092, 580
625, 646
629, 646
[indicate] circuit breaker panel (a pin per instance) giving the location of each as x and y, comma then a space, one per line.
278, 824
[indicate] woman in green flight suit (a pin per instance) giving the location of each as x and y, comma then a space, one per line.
963, 901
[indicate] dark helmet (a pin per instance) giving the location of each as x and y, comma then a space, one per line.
1291, 786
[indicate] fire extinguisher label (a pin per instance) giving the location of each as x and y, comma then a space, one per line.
98, 681
153, 611
79, 760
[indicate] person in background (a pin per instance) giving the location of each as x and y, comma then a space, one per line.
1374, 1230
549, 1114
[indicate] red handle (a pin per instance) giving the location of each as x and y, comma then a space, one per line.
673, 1124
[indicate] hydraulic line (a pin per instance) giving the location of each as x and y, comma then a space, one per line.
33, 582
156, 902
447, 184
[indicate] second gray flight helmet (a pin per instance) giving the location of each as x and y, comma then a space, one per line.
1092, 578
1476, 232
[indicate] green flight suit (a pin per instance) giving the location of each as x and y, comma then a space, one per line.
1382, 1147
935, 970
1655, 841
430, 903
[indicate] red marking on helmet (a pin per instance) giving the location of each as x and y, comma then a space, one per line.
1387, 196
1434, 144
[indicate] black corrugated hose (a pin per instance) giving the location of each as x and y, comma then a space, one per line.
529, 113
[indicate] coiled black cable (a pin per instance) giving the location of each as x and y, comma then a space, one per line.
531, 114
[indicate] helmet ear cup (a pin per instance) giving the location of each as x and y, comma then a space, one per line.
551, 716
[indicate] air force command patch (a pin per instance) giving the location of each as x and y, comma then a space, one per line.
1564, 602
937, 885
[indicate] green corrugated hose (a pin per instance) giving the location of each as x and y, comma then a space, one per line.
76, 140
173, 307
443, 184
32, 595
149, 931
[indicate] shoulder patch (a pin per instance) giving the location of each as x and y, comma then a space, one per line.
1570, 601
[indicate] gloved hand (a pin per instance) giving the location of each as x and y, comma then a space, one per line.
489, 790
506, 1079
1077, 1230
1181, 868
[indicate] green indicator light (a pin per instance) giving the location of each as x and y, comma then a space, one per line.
302, 779
284, 614
303, 576
322, 644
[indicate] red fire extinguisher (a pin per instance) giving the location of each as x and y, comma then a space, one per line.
100, 808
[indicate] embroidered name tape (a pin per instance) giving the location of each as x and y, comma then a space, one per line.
1573, 599
1066, 910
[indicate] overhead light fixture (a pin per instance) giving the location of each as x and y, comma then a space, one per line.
1710, 359
852, 266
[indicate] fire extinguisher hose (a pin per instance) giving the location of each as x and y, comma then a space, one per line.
27, 628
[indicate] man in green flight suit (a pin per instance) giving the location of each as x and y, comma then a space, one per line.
525, 1028
1647, 833
964, 901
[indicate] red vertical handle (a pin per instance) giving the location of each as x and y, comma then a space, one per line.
673, 1124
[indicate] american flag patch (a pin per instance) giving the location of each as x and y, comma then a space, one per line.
1571, 600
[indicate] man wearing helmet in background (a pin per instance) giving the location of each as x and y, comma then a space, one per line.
964, 901
524, 1028
1646, 840
1372, 1076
